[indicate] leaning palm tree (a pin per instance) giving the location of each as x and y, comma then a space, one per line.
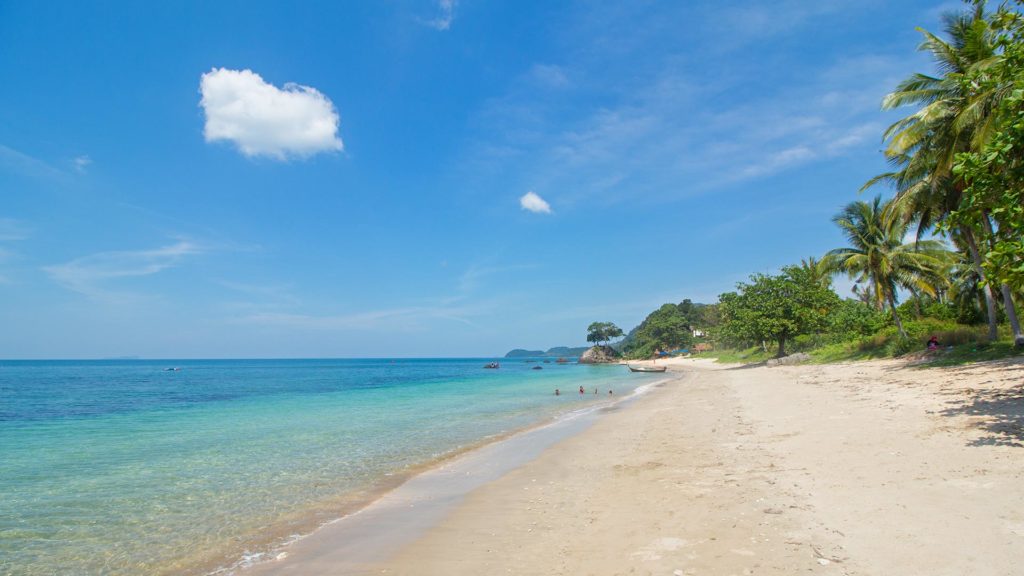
956, 115
878, 258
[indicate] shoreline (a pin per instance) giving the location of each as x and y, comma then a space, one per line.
859, 468
483, 460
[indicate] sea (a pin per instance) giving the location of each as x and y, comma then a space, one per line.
201, 466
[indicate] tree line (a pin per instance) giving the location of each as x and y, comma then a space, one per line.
956, 191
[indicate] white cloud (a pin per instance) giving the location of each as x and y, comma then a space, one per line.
534, 203
445, 16
81, 163
264, 120
86, 274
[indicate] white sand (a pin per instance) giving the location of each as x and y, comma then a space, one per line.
867, 468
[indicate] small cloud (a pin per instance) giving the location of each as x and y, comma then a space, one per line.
779, 160
534, 203
81, 163
264, 120
85, 274
446, 13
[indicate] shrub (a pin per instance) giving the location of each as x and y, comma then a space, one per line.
899, 345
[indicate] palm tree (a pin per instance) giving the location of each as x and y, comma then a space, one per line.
817, 271
866, 294
956, 115
878, 258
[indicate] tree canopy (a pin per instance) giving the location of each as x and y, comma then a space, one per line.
776, 307
599, 332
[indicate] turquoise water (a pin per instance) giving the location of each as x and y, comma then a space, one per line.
122, 467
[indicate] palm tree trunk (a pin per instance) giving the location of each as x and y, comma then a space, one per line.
896, 316
1011, 316
917, 303
990, 303
1011, 310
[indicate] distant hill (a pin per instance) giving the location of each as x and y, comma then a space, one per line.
555, 352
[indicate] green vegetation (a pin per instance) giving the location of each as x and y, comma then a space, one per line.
878, 257
669, 328
776, 308
599, 332
958, 185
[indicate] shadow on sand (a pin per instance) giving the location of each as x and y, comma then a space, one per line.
1001, 408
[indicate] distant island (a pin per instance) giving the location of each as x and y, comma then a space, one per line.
555, 352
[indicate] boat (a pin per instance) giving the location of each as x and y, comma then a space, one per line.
537, 368
562, 361
492, 365
646, 368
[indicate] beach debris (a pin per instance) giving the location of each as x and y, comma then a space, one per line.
772, 511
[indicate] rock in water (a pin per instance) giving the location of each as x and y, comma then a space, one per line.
600, 355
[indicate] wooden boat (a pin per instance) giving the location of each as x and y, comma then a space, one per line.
646, 368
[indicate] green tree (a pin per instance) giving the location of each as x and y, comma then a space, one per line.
877, 256
599, 332
817, 270
776, 307
667, 328
957, 115
993, 196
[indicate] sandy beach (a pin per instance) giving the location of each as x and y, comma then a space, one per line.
863, 468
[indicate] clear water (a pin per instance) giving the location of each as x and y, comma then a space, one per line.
122, 467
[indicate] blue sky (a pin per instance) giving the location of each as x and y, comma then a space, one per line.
347, 179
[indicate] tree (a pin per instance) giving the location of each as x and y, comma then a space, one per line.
817, 270
777, 308
994, 174
667, 328
876, 254
958, 114
599, 332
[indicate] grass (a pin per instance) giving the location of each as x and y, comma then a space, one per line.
970, 353
961, 345
749, 355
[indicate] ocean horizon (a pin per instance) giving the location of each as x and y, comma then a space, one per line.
122, 466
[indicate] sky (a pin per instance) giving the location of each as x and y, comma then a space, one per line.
420, 178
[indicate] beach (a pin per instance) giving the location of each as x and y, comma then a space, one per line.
864, 468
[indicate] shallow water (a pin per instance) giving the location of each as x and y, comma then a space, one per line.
121, 467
